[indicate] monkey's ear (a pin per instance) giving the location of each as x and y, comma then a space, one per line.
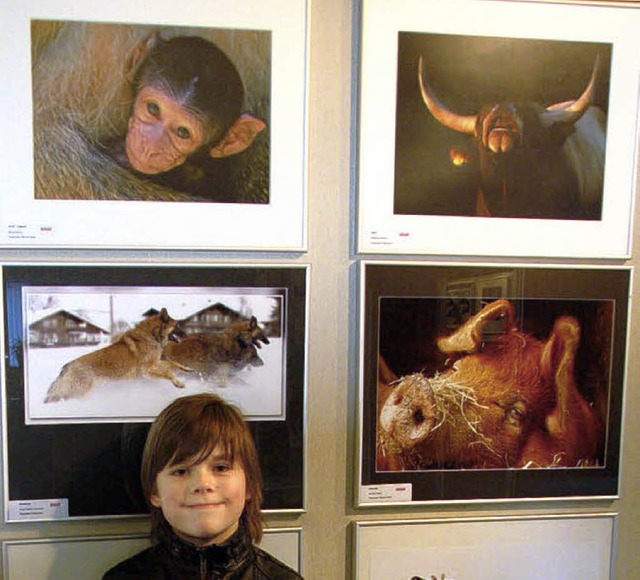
139, 53
238, 137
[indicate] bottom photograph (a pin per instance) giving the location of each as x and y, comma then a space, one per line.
87, 558
567, 547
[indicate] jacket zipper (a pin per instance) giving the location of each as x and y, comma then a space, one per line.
203, 567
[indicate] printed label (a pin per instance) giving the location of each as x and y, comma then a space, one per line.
389, 492
380, 238
39, 509
28, 231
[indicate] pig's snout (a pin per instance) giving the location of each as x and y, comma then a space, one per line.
408, 415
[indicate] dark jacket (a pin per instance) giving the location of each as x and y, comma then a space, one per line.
173, 559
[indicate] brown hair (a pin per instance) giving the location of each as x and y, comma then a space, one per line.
190, 428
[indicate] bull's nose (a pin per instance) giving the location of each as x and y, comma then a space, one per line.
501, 141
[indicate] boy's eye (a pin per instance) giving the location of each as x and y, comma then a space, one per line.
179, 471
222, 467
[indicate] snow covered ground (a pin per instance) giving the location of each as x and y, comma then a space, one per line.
258, 391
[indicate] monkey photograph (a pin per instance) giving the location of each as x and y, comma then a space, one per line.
150, 113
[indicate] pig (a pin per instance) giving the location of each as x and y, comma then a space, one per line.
511, 402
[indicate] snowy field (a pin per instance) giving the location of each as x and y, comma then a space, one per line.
258, 391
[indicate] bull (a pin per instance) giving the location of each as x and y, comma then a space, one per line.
533, 161
509, 402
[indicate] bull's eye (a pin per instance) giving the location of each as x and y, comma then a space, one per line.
418, 417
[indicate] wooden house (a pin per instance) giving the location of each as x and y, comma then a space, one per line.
65, 328
211, 319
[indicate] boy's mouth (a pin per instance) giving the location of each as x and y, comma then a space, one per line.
211, 504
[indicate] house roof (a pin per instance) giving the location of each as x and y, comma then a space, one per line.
217, 306
96, 318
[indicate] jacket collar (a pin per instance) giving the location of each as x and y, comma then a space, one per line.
226, 557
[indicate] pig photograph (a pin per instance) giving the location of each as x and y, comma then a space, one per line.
491, 382
510, 399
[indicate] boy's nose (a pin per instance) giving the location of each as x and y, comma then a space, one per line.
202, 481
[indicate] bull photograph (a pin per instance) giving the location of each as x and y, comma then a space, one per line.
502, 127
488, 370
150, 113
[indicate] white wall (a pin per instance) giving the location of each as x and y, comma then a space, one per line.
332, 341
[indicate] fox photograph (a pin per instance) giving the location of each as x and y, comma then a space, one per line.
92, 352
123, 353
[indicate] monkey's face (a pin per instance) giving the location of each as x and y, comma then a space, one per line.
162, 133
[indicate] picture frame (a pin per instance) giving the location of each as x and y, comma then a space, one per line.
419, 180
430, 430
79, 439
80, 557
61, 557
252, 200
569, 546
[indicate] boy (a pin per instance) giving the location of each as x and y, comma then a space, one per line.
201, 477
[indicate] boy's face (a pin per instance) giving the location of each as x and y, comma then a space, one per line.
203, 502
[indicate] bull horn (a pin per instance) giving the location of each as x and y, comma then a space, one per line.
461, 123
569, 112
468, 337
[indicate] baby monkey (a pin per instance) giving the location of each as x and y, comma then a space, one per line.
187, 109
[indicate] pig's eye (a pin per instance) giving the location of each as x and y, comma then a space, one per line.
516, 414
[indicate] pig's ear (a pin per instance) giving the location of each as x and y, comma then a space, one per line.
468, 337
557, 363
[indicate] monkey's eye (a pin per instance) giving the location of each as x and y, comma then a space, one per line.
153, 108
183, 133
